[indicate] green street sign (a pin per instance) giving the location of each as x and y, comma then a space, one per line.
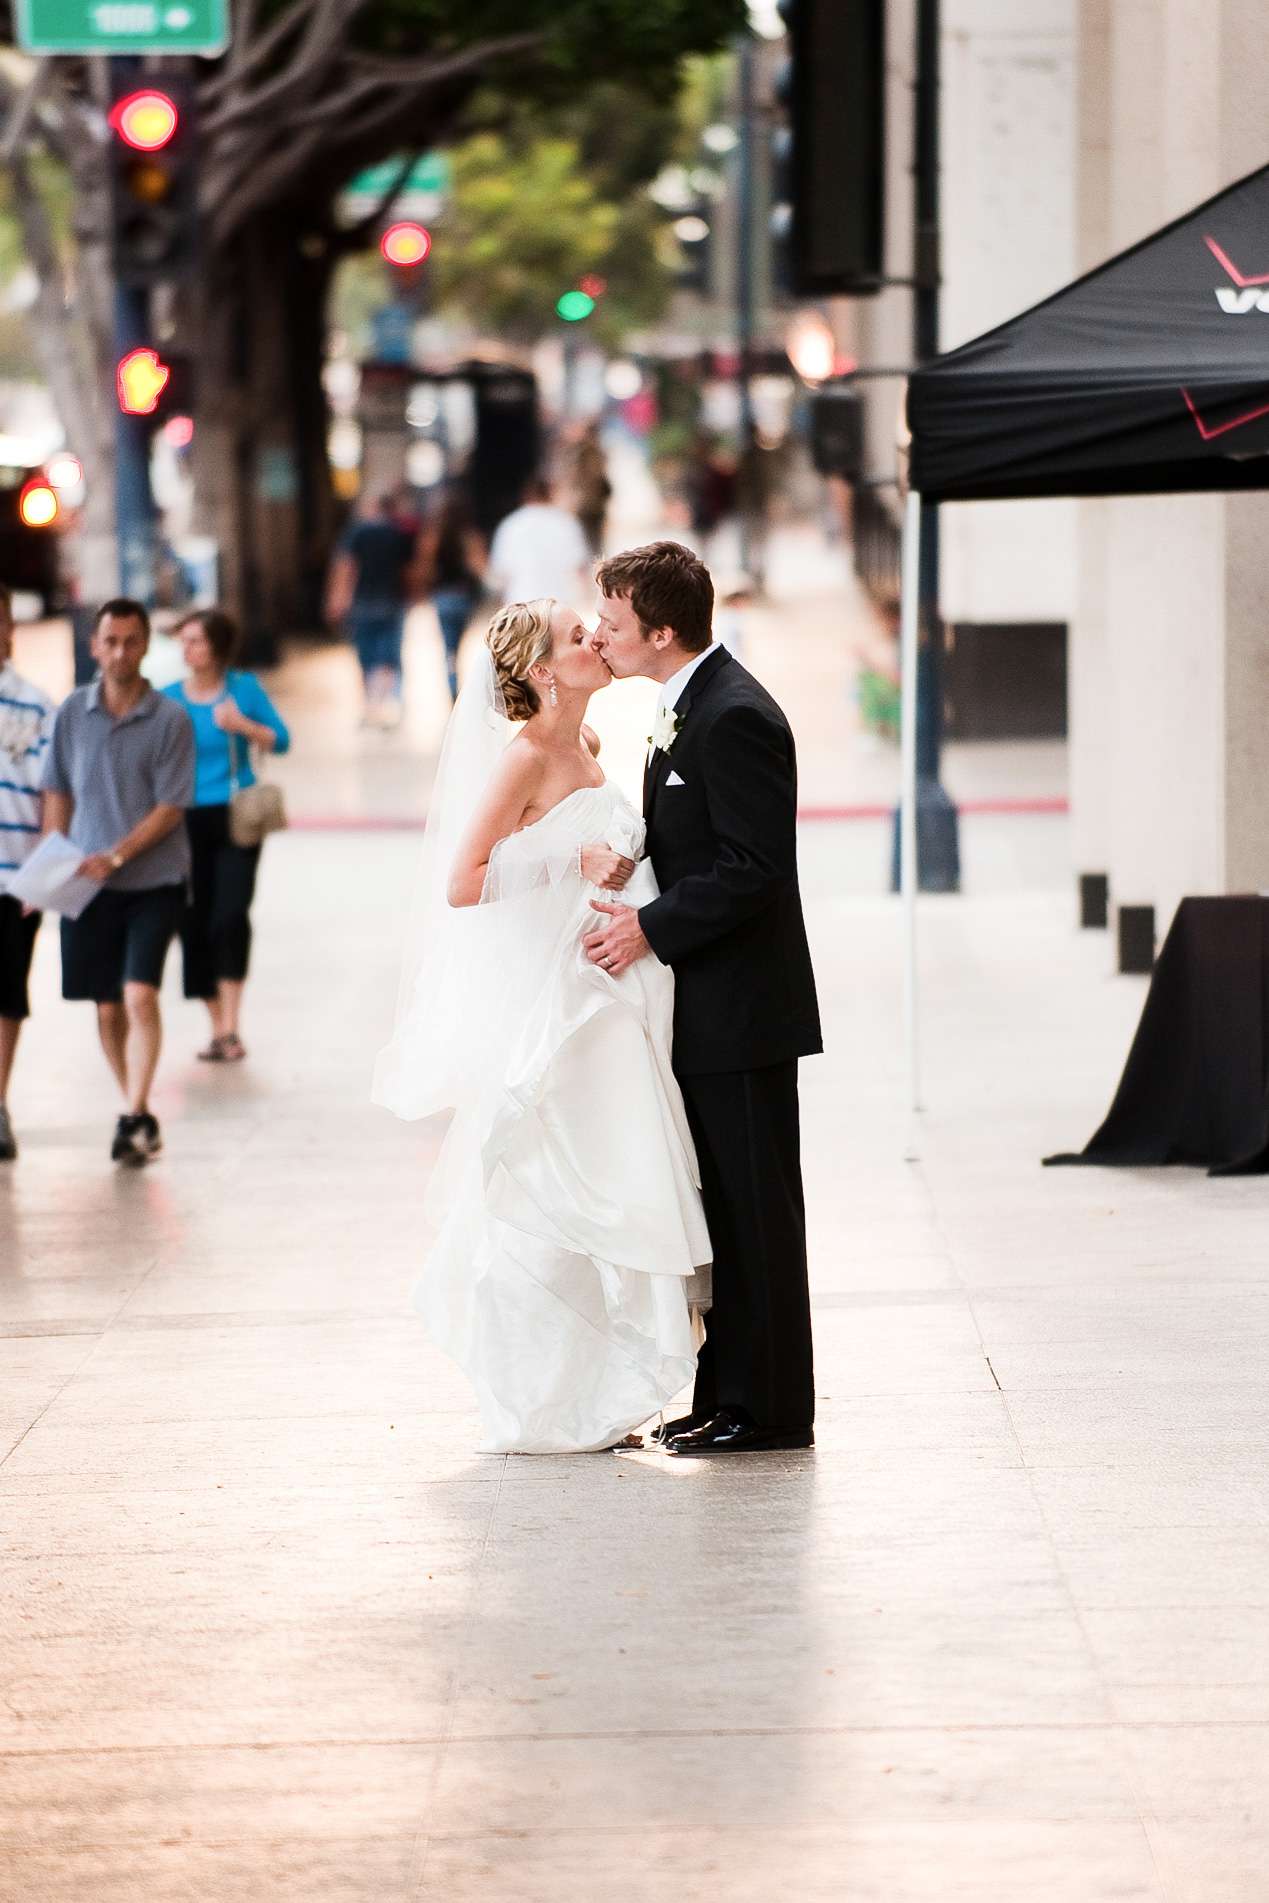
428, 175
123, 26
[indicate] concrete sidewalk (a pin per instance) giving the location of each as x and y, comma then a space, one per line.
275, 1631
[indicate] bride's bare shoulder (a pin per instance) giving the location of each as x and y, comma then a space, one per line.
519, 771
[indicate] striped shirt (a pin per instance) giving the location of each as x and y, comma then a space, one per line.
26, 727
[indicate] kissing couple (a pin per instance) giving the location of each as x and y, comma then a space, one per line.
614, 1008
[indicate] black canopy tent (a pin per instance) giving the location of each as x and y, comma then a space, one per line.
1149, 375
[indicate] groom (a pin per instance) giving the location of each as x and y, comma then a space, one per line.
720, 800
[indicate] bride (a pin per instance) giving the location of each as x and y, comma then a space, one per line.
564, 1274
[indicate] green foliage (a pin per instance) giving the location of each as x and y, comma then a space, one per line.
526, 220
544, 197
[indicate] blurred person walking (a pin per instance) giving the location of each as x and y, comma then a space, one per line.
539, 551
26, 726
592, 491
117, 780
453, 560
373, 575
711, 489
230, 712
757, 480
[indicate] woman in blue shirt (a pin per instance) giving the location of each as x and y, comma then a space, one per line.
231, 714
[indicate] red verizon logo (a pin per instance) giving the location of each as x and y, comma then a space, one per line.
1247, 293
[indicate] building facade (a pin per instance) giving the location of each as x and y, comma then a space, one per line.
1169, 655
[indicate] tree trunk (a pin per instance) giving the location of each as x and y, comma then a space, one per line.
261, 472
73, 339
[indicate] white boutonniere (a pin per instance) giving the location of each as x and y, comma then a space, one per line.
665, 730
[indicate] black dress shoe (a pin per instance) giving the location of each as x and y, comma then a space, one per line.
734, 1431
664, 1430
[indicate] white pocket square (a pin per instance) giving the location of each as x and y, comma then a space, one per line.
674, 780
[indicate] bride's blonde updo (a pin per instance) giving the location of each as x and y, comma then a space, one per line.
520, 636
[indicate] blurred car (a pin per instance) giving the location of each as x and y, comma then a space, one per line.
30, 556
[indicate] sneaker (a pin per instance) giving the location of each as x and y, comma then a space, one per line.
8, 1142
128, 1146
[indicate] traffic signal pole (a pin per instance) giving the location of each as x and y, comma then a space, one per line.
938, 832
744, 279
135, 512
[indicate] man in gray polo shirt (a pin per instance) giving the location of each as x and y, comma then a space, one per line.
119, 775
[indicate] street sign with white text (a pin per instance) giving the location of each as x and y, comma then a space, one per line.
123, 26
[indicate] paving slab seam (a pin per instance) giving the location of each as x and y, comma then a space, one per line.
421, 1848
1143, 1810
432, 1740
73, 1375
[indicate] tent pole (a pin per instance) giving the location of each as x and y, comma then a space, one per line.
908, 640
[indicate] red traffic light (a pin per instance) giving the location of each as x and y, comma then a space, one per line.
592, 284
38, 505
145, 120
141, 379
405, 244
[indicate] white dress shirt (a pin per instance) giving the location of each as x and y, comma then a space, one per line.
672, 690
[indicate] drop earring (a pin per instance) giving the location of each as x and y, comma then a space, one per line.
555, 699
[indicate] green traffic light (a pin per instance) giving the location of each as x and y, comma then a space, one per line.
573, 306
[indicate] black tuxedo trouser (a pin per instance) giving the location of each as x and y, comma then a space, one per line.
757, 1352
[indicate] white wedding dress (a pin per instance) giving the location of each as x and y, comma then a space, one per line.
563, 1277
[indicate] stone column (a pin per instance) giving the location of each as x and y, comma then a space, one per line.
1170, 772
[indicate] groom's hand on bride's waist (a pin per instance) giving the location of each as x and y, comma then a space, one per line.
617, 944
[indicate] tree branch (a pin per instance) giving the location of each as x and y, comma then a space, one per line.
322, 44
259, 169
452, 66
252, 57
354, 236
22, 113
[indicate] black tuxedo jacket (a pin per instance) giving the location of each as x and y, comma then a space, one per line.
723, 846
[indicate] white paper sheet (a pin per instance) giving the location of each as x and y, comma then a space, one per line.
50, 882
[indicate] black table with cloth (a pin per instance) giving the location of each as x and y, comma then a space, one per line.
1195, 1088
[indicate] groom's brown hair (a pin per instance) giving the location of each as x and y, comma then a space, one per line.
667, 586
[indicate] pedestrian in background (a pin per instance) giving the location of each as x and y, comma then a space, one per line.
731, 621
26, 725
592, 490
539, 552
231, 713
711, 489
453, 560
117, 780
372, 578
757, 481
